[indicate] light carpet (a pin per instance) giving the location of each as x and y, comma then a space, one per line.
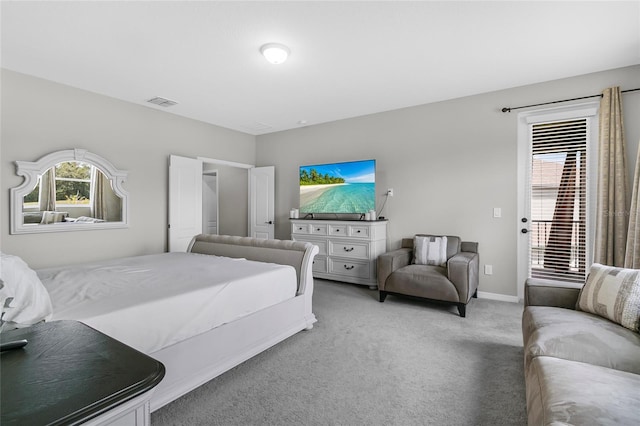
401, 362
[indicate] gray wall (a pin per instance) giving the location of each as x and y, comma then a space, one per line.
234, 183
449, 163
39, 117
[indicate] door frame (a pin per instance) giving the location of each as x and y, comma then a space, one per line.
251, 207
526, 119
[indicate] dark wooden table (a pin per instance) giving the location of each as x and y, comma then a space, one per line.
69, 373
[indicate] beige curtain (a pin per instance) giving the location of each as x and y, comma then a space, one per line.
106, 204
98, 196
612, 205
632, 254
47, 196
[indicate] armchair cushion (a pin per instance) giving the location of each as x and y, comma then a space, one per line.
423, 281
430, 251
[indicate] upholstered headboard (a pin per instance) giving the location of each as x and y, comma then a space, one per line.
297, 254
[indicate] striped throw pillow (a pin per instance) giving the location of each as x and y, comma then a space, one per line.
430, 251
612, 293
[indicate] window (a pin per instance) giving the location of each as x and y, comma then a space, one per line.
558, 200
73, 183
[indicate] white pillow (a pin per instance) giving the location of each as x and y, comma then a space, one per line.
31, 302
612, 293
52, 217
430, 251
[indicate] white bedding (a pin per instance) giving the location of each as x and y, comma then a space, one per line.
151, 302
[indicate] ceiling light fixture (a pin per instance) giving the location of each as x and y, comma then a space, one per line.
275, 53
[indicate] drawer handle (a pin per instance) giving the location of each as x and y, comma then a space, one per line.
317, 229
358, 231
337, 230
348, 249
348, 268
299, 229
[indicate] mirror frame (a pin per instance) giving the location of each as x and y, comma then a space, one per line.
31, 170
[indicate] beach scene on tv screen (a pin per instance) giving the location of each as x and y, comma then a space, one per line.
338, 187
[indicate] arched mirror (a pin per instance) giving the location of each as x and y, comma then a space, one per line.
68, 190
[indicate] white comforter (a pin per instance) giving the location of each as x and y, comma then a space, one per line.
151, 302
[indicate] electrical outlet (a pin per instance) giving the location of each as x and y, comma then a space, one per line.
488, 269
390, 192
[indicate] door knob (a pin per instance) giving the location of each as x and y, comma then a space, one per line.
270, 222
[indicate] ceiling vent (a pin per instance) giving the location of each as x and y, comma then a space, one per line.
163, 102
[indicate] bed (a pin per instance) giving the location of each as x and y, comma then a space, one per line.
200, 321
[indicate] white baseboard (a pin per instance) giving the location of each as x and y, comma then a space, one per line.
497, 296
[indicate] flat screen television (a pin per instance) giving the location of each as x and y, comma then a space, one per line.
338, 188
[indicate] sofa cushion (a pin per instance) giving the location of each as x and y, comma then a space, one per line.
579, 336
561, 392
612, 293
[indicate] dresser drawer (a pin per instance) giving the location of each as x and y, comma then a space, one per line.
351, 249
297, 228
319, 229
338, 230
319, 264
349, 268
321, 243
359, 231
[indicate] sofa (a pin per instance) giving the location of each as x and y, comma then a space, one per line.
453, 279
582, 368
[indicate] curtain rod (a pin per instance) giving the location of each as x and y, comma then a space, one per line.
509, 109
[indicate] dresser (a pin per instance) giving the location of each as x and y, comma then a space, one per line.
348, 249
69, 373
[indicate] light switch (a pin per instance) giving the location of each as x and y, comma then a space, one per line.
488, 269
497, 212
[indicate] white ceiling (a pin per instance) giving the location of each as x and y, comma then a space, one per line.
347, 58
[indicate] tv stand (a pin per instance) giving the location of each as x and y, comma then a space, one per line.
348, 248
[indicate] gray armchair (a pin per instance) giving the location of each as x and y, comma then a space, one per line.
455, 283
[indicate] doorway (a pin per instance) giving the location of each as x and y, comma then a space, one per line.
210, 194
196, 187
557, 155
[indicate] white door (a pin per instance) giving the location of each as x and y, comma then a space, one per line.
556, 186
261, 202
210, 203
185, 201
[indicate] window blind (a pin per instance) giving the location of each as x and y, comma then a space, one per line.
558, 189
